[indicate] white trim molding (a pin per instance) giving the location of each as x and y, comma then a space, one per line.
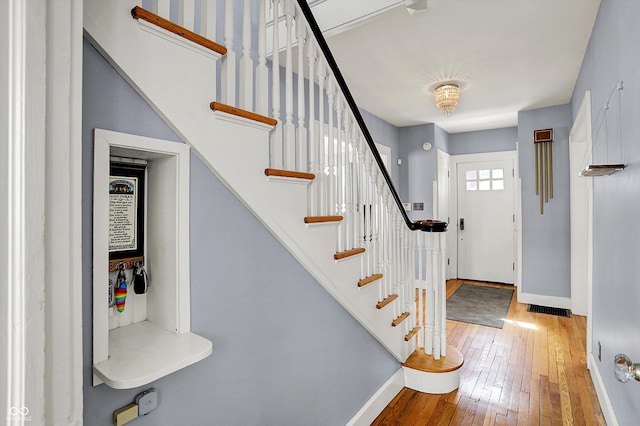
374, 406
63, 215
543, 300
23, 160
601, 392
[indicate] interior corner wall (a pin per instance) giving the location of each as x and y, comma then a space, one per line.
611, 57
546, 242
284, 351
418, 169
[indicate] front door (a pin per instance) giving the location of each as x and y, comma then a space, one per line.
486, 242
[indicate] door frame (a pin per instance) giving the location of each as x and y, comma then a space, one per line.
581, 192
452, 248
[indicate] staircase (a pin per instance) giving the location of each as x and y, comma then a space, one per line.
318, 185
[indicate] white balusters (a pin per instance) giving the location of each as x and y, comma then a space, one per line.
331, 190
276, 135
162, 8
301, 32
349, 182
339, 171
245, 79
186, 14
208, 19
289, 126
228, 76
313, 144
262, 73
321, 177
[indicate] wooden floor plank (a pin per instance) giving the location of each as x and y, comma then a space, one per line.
532, 371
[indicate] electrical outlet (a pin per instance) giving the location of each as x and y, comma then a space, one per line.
599, 351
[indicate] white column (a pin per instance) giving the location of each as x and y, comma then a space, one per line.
430, 302
442, 283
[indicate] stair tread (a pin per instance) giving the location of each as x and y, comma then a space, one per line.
140, 13
322, 219
403, 316
375, 277
386, 301
418, 360
348, 253
411, 333
239, 112
289, 174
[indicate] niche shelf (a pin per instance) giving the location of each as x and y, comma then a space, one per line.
155, 339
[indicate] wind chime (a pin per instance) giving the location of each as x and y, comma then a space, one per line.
543, 141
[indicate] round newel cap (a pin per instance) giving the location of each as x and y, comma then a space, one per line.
432, 225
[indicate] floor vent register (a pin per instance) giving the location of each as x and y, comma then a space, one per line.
549, 310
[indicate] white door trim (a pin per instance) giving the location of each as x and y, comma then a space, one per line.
453, 203
580, 143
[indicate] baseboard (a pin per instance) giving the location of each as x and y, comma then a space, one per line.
379, 400
601, 392
542, 300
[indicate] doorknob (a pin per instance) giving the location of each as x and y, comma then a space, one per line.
462, 224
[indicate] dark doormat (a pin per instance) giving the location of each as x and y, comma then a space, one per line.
479, 305
549, 310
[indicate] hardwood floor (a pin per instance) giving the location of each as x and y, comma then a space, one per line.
533, 371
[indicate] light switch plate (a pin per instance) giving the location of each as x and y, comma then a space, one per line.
147, 401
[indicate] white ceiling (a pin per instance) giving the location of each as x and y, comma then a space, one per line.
506, 55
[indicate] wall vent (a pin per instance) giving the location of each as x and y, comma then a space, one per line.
549, 310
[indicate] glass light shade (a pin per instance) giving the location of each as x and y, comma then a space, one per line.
447, 96
624, 369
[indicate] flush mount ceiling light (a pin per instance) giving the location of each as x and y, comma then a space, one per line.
446, 96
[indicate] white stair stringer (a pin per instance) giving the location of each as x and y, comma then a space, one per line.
179, 84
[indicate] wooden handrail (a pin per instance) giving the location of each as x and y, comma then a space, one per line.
140, 13
403, 316
289, 174
322, 219
348, 253
363, 282
217, 106
386, 301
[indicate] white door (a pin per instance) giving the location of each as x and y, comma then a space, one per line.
486, 221
443, 165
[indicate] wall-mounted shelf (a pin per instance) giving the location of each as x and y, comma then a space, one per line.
143, 352
601, 169
151, 337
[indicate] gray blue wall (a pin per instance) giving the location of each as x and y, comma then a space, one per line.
611, 57
385, 134
494, 140
418, 169
284, 351
546, 243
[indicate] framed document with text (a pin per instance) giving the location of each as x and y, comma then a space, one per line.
126, 210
